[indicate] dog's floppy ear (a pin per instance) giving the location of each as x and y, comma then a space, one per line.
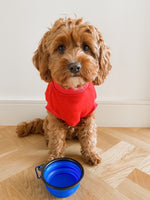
41, 59
104, 62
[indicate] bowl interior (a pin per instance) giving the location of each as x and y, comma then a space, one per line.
62, 173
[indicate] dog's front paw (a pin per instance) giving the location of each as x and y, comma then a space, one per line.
92, 158
52, 157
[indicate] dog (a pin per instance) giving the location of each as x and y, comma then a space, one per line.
72, 57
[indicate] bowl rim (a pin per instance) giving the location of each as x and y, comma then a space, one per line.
62, 159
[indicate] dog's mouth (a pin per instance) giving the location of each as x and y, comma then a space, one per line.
75, 81
76, 75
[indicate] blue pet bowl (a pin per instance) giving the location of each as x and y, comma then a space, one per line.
61, 176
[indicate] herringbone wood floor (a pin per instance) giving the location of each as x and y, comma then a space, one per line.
123, 174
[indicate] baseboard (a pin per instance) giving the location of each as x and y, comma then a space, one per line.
108, 113
13, 112
123, 113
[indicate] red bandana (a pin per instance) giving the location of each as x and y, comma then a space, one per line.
70, 105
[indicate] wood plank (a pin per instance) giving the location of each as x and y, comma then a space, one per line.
121, 134
140, 178
105, 141
141, 134
133, 191
114, 195
118, 162
145, 165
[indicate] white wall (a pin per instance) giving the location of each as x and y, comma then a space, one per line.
125, 26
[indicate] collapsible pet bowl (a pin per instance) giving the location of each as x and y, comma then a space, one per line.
61, 176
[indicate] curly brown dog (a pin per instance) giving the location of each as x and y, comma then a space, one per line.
71, 57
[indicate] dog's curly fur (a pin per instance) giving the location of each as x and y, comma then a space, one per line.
52, 64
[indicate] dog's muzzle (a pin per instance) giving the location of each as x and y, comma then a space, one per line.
74, 67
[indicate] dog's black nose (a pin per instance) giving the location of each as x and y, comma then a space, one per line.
74, 67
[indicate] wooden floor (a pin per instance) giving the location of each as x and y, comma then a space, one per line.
123, 174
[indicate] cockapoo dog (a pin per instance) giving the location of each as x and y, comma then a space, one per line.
72, 57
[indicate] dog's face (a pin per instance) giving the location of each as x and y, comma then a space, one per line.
72, 53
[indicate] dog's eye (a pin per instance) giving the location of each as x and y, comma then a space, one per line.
86, 48
61, 49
